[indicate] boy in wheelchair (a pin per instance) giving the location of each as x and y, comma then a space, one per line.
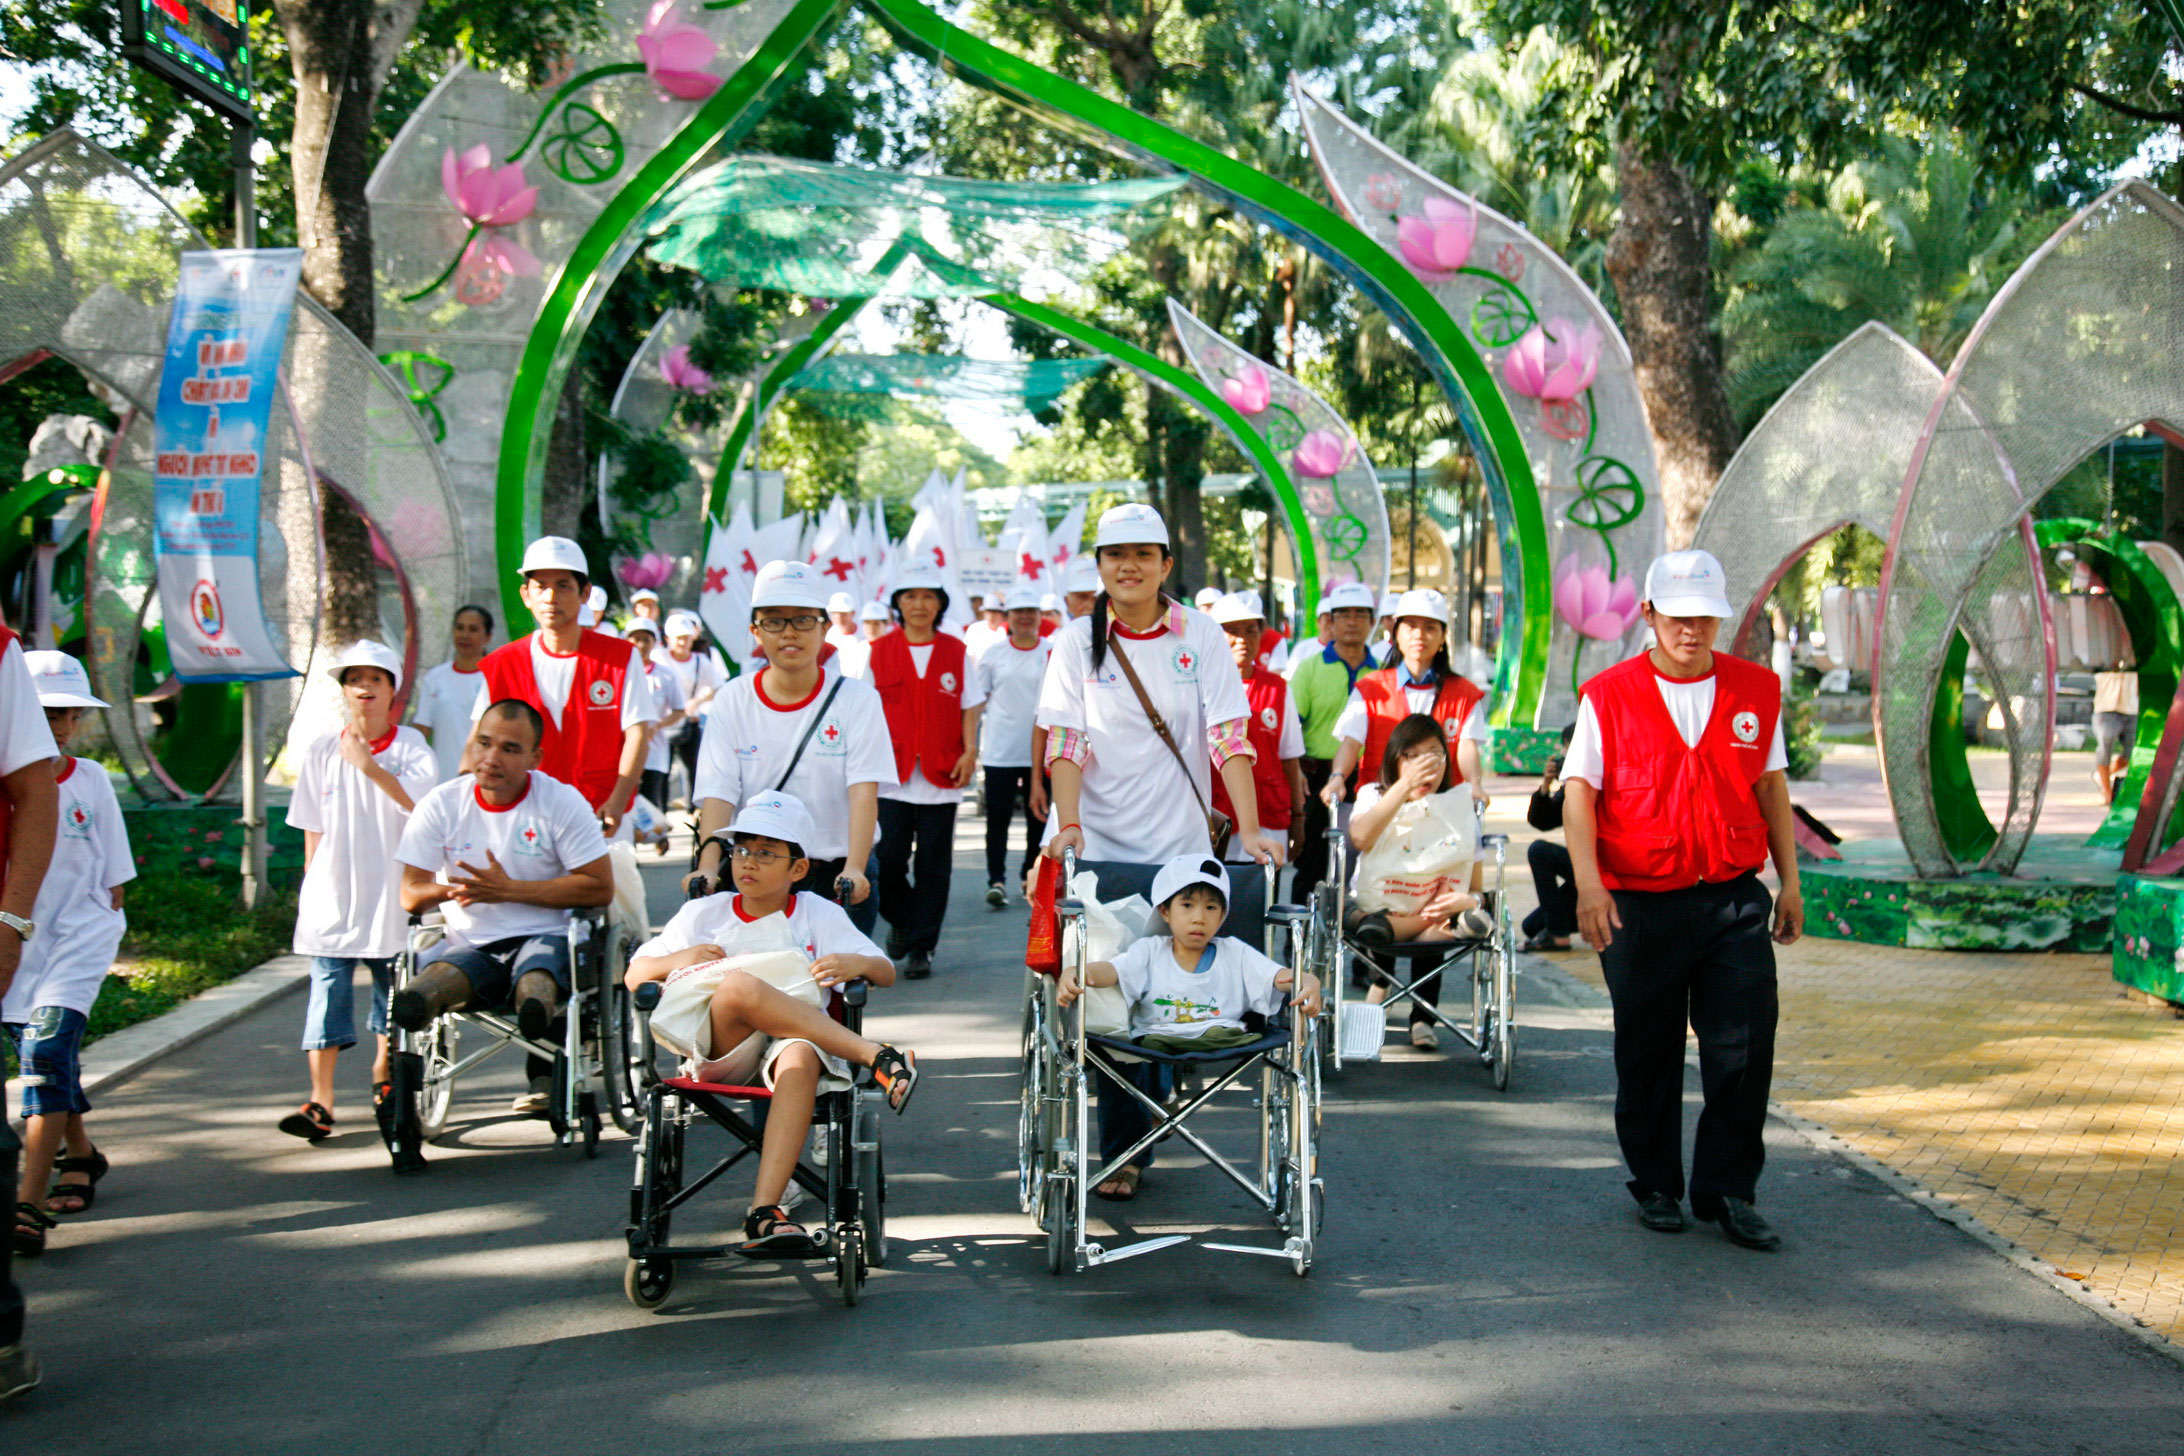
1189, 990
763, 1016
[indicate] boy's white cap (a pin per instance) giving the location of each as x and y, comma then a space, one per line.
643, 594
597, 601
841, 602
1351, 594
1186, 870
1050, 603
555, 553
1240, 606
1387, 605
873, 612
789, 584
1130, 524
1422, 603
679, 623
777, 816
1687, 584
366, 653
1082, 574
61, 680
1023, 596
641, 624
1206, 597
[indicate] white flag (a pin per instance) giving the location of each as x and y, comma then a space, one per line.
1024, 543
1065, 541
724, 601
834, 550
929, 545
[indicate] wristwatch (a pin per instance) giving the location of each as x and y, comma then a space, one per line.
25, 928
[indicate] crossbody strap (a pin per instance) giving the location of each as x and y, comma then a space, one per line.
809, 729
1160, 724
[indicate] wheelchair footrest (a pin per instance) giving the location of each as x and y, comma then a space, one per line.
1281, 1253
1363, 1031
1099, 1255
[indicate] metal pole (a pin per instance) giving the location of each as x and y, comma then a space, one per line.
240, 137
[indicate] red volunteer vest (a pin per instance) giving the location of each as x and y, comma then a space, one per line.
1672, 816
1269, 699
1387, 705
585, 750
924, 715
1272, 639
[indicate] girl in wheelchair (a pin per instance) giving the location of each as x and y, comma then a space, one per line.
766, 1016
1188, 990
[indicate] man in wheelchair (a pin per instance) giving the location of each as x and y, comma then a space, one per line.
1187, 991
504, 852
750, 974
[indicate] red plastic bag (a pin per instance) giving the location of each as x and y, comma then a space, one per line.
1043, 947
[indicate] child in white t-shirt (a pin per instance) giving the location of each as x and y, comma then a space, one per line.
80, 923
1188, 990
749, 1028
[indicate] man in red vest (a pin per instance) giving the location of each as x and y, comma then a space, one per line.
30, 809
1675, 798
1276, 736
589, 686
923, 677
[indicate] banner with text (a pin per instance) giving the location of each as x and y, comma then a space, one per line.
224, 346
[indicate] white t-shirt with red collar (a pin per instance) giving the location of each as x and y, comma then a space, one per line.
749, 740
667, 694
351, 903
548, 832
1010, 677
820, 926
445, 708
79, 930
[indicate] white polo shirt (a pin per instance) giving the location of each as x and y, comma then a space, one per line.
749, 740
1010, 676
445, 707
351, 903
79, 930
549, 832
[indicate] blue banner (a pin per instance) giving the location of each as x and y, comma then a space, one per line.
216, 390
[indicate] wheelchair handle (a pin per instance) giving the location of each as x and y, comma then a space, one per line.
844, 887
648, 996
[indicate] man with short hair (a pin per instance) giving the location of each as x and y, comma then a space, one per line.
700, 676
842, 619
1320, 684
590, 687
1276, 736
1080, 586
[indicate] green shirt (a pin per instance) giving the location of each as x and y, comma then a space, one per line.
1320, 685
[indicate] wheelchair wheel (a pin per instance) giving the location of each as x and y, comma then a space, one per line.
620, 1062
587, 1119
1030, 1120
1059, 1181
1505, 1015
437, 1094
872, 1188
659, 1174
648, 1282
849, 1265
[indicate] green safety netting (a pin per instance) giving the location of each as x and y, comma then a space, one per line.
841, 383
823, 231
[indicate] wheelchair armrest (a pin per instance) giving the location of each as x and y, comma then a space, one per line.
1288, 914
854, 993
648, 996
1493, 841
1070, 906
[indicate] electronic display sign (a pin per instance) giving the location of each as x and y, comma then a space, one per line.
202, 46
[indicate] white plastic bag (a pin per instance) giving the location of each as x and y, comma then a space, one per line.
1109, 930
626, 910
1433, 838
764, 948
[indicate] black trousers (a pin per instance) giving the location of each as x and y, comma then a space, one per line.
1701, 956
1005, 789
1556, 884
917, 849
1312, 854
11, 1298
684, 746
653, 785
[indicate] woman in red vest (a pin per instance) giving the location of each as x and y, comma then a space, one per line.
923, 677
1420, 681
1675, 798
1275, 733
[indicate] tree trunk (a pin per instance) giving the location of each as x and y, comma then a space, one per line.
561, 502
1658, 257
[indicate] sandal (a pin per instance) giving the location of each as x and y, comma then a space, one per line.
896, 1071
310, 1122
94, 1165
769, 1233
31, 1223
1129, 1178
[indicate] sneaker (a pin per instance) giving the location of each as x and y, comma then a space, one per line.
310, 1121
996, 896
535, 1102
19, 1372
1423, 1036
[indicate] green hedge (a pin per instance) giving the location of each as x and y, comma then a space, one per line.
187, 933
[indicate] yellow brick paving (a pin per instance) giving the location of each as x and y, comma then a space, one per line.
2028, 1090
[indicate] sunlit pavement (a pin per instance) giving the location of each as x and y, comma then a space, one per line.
1481, 1285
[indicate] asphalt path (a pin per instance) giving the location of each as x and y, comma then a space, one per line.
1482, 1285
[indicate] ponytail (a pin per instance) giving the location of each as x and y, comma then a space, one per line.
1099, 632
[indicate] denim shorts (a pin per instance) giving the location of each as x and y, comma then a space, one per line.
331, 1019
494, 968
49, 1048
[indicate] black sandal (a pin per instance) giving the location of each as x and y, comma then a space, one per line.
95, 1165
30, 1242
311, 1122
897, 1072
769, 1233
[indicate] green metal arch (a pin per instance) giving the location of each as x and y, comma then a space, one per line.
582, 281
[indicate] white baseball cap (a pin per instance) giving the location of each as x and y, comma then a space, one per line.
1387, 605
1022, 597
789, 584
644, 594
597, 601
641, 624
1186, 870
679, 623
1422, 603
777, 816
1082, 575
1345, 595
1130, 524
365, 653
841, 602
1050, 603
62, 682
1687, 584
1206, 597
556, 553
873, 612
919, 578
1240, 606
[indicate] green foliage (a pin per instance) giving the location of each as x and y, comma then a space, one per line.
1801, 727
46, 388
187, 934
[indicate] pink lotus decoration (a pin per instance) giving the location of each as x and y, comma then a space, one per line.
491, 198
1594, 606
676, 369
649, 570
1553, 361
1438, 243
1320, 455
1248, 391
676, 54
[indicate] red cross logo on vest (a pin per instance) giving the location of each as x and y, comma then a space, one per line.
1452, 727
1746, 726
837, 568
601, 692
947, 682
1267, 717
716, 580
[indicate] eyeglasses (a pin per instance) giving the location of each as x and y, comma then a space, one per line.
761, 857
801, 622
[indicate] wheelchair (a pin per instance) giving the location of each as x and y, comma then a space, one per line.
601, 1065
850, 1184
1057, 1148
1360, 1026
